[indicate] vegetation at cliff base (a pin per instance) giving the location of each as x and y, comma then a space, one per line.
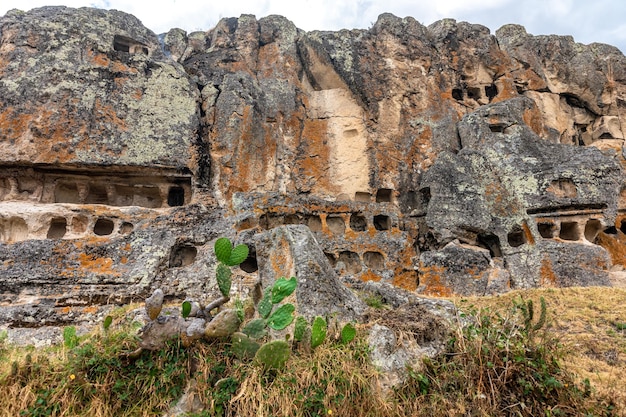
511, 357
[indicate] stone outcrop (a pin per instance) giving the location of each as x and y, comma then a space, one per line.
441, 159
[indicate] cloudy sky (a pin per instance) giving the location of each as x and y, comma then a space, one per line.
588, 21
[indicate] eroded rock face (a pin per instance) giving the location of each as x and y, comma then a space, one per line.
440, 159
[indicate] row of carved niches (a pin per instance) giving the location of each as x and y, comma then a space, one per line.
59, 225
335, 223
577, 228
70, 187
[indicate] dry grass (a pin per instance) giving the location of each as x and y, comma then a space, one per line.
591, 326
332, 380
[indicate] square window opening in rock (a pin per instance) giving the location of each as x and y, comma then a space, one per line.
176, 196
358, 223
592, 228
58, 228
384, 195
103, 227
569, 231
336, 225
382, 222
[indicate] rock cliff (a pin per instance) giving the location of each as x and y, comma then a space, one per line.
441, 159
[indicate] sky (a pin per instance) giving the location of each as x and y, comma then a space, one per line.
587, 21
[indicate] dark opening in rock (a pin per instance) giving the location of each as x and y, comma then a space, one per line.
497, 127
491, 91
622, 226
491, 242
97, 195
382, 222
314, 223
610, 230
182, 255
331, 259
351, 261
592, 228
457, 94
516, 237
176, 197
336, 225
547, 230
66, 193
250, 264
606, 135
126, 228
384, 195
362, 197
569, 231
374, 260
358, 223
425, 195
58, 228
474, 92
103, 227
125, 44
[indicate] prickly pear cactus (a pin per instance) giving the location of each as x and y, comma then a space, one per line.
243, 346
224, 282
318, 331
348, 333
299, 329
281, 317
273, 355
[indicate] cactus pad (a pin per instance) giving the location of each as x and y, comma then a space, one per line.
243, 346
282, 317
282, 288
273, 355
318, 332
223, 279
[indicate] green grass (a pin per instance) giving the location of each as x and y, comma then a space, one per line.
505, 361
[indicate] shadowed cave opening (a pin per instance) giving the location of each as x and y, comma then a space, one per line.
382, 222
384, 195
358, 223
126, 228
103, 227
250, 264
490, 242
516, 237
569, 231
592, 228
622, 226
547, 230
182, 255
176, 197
58, 228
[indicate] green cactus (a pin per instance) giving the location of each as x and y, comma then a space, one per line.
224, 282
274, 354
225, 253
255, 329
108, 320
300, 329
318, 331
243, 346
283, 288
265, 305
281, 317
186, 309
348, 333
